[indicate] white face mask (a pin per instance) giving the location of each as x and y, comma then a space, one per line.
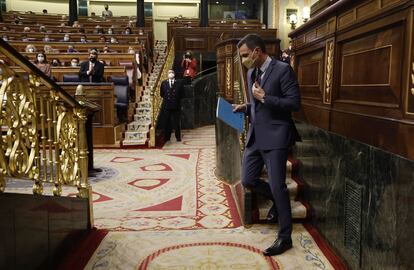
82, 40
31, 50
113, 40
110, 32
5, 39
47, 39
40, 59
66, 38
171, 76
74, 64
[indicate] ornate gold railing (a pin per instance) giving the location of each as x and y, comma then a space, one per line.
43, 135
155, 92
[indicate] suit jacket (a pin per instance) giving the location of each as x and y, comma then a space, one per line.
271, 121
97, 74
172, 95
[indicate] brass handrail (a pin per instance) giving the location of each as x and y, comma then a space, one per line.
155, 91
43, 132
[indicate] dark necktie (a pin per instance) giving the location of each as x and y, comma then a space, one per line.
259, 73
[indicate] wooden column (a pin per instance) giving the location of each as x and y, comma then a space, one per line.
73, 11
204, 13
140, 14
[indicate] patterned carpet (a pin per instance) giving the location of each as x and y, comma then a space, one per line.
165, 209
162, 189
208, 249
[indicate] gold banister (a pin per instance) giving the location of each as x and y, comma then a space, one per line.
43, 135
155, 91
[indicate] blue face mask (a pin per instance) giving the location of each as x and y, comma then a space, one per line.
71, 50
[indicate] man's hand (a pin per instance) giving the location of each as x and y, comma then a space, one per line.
90, 70
258, 92
239, 107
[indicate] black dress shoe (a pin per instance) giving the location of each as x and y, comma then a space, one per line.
272, 216
97, 170
92, 174
278, 247
178, 140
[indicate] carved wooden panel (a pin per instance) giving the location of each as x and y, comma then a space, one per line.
321, 30
378, 75
385, 3
367, 8
346, 18
198, 44
370, 71
311, 35
332, 25
310, 75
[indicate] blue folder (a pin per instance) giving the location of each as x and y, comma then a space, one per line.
225, 113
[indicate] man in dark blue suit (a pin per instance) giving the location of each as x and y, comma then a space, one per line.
172, 91
273, 93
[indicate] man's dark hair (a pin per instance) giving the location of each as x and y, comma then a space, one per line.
44, 11
252, 41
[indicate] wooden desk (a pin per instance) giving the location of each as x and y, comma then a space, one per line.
106, 128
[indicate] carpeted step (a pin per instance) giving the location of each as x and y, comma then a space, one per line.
299, 210
138, 129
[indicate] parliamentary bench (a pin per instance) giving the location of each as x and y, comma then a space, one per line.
78, 46
107, 130
88, 29
86, 21
140, 31
120, 64
131, 40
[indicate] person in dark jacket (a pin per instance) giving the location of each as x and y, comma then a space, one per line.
172, 91
91, 70
273, 92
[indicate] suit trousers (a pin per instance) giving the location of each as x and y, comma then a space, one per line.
173, 122
275, 189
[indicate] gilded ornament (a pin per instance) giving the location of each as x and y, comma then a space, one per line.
412, 80
329, 70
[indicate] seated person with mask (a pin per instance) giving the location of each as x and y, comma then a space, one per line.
92, 70
74, 62
41, 63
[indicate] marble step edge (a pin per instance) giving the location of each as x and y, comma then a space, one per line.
135, 125
134, 142
144, 119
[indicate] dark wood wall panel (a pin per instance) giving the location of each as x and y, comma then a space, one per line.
199, 44
371, 70
310, 74
357, 78
317, 116
373, 66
